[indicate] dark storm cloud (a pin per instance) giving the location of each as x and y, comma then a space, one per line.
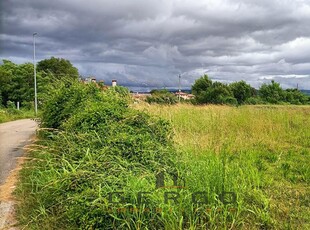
148, 43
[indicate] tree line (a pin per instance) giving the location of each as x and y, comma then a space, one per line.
17, 85
208, 92
17, 80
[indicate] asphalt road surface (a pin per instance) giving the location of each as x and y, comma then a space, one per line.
14, 136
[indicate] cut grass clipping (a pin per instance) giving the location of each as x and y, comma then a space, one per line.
100, 164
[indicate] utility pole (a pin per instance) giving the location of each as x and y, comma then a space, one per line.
179, 87
35, 75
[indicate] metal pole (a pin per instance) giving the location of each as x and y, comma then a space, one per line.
35, 75
179, 87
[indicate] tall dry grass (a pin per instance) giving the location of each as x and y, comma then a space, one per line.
269, 145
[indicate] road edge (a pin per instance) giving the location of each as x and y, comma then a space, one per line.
7, 199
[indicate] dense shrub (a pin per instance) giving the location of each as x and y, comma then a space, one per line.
101, 145
294, 96
272, 93
218, 93
1, 105
254, 101
241, 91
11, 105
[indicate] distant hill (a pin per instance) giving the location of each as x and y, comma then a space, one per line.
306, 92
188, 90
183, 90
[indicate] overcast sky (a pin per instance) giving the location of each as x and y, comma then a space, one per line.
147, 43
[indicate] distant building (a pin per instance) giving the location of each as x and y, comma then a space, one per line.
99, 83
89, 79
185, 96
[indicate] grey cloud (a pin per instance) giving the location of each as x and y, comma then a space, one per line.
148, 43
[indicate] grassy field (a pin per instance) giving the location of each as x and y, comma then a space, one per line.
266, 149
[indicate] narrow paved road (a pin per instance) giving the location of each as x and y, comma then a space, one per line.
14, 136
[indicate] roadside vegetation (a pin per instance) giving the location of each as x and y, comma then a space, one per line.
14, 114
92, 144
11, 113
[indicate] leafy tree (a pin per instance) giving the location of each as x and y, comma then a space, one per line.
255, 100
6, 78
219, 93
200, 88
272, 93
58, 68
23, 83
207, 92
294, 96
241, 91
16, 82
1, 100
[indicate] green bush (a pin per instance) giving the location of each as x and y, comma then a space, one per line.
241, 91
294, 96
1, 105
254, 101
230, 101
206, 92
27, 105
101, 145
11, 105
272, 93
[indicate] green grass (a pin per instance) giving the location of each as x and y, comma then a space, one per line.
266, 147
258, 153
14, 114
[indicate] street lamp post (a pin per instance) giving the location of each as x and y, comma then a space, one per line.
179, 87
35, 75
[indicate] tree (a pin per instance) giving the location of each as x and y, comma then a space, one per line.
200, 87
219, 93
207, 92
272, 93
294, 96
16, 82
23, 84
6, 77
1, 105
241, 91
58, 68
